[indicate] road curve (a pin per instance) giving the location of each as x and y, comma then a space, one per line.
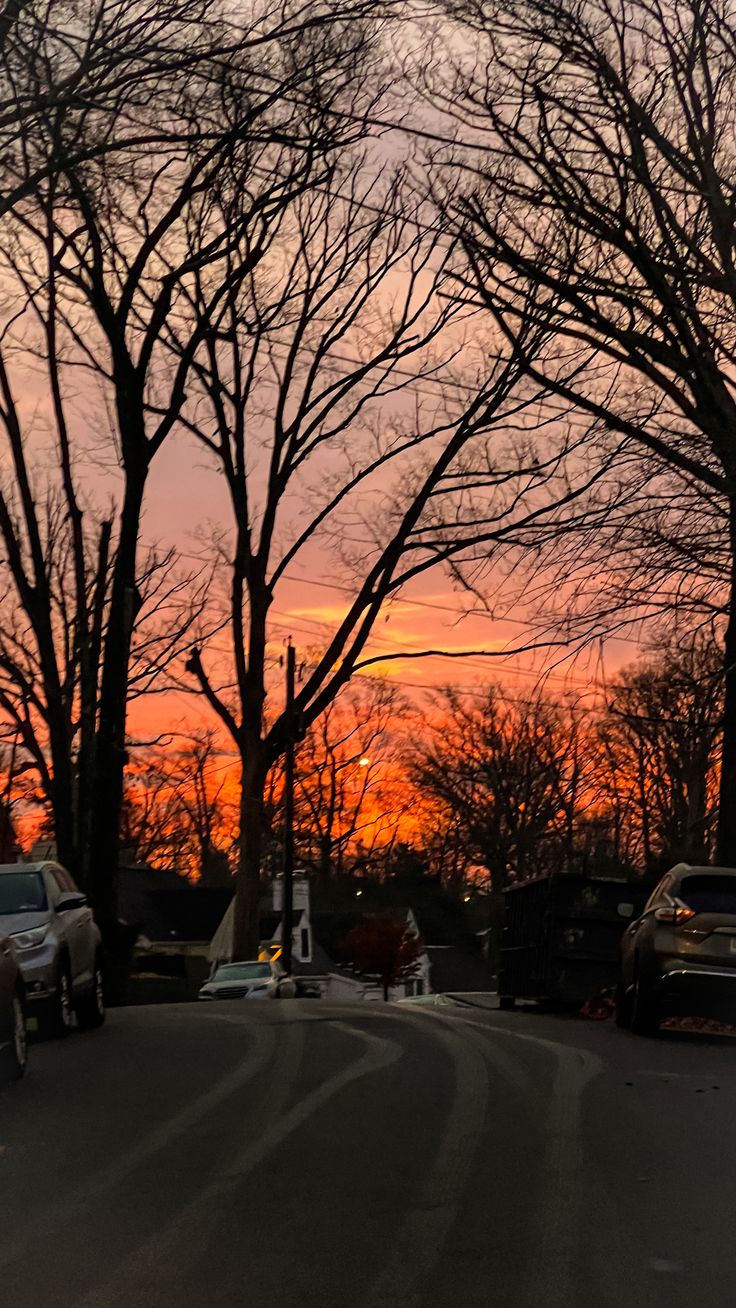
368, 1157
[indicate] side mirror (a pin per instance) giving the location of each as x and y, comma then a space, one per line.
72, 899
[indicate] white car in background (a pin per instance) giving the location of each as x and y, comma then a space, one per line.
248, 980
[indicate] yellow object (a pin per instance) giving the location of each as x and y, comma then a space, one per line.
269, 953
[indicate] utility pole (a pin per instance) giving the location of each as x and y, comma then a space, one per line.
287, 916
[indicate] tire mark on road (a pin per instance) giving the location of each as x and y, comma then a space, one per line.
75, 1203
281, 1077
511, 1072
552, 1270
554, 1246
425, 1228
151, 1259
551, 1277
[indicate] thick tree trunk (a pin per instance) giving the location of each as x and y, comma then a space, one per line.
246, 921
250, 673
726, 838
90, 660
107, 791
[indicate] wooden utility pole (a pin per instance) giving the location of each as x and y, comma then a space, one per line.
287, 917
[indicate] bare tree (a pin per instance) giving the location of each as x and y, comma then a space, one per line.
177, 812
50, 647
316, 395
72, 87
598, 164
16, 791
508, 771
661, 733
626, 782
121, 120
343, 798
441, 844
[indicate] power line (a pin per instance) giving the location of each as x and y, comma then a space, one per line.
476, 693
400, 599
395, 647
466, 688
297, 623
390, 599
503, 659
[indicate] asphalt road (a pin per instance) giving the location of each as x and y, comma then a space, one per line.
302, 1155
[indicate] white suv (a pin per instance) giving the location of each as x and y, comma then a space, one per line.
57, 945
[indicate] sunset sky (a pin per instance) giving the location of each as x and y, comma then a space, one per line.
185, 504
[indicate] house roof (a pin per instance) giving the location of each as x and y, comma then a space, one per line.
320, 965
166, 907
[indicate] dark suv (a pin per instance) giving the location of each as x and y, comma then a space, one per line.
679, 957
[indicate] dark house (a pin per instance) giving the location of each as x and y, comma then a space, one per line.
174, 923
454, 971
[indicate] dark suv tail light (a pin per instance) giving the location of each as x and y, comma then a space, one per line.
675, 914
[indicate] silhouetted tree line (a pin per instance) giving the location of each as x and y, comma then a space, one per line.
500, 785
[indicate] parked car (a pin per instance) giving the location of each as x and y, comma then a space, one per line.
57, 945
13, 1041
247, 980
679, 956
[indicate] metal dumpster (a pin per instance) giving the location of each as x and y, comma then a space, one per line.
561, 936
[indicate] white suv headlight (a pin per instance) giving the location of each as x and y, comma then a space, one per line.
29, 939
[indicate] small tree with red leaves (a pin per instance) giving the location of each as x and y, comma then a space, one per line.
382, 947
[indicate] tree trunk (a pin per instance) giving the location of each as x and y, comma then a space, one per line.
62, 791
62, 769
246, 924
325, 857
726, 837
107, 792
385, 994
89, 672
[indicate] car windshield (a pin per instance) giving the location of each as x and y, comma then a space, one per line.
22, 892
242, 972
709, 894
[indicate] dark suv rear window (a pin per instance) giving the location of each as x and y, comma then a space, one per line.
709, 894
